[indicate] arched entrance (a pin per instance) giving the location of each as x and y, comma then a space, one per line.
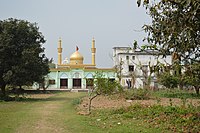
64, 81
76, 81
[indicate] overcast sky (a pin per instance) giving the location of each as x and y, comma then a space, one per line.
111, 22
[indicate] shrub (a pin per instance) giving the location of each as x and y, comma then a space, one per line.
175, 94
137, 94
76, 101
168, 80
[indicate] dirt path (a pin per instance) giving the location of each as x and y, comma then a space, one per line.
48, 111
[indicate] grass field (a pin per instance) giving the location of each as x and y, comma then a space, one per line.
44, 115
56, 113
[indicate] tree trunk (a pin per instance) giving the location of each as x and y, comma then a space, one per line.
3, 90
181, 84
90, 103
197, 90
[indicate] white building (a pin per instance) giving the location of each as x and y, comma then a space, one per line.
136, 63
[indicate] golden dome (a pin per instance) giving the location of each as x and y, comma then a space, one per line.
76, 58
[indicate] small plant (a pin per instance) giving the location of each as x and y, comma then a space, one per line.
190, 105
102, 86
170, 102
76, 101
158, 100
137, 94
184, 101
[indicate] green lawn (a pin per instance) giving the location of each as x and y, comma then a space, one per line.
57, 113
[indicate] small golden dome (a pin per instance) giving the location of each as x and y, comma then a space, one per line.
76, 58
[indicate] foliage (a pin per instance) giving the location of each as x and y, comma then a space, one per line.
175, 28
102, 86
119, 69
137, 94
192, 76
168, 80
150, 68
22, 60
175, 93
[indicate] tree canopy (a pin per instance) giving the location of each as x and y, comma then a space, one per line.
175, 30
22, 60
175, 27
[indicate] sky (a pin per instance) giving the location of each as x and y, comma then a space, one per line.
112, 23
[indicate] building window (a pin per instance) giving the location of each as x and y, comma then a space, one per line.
131, 68
133, 57
52, 82
127, 57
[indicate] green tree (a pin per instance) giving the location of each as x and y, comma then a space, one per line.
168, 80
22, 60
102, 86
175, 30
192, 76
118, 69
147, 70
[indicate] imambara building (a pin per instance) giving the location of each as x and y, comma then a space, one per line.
75, 75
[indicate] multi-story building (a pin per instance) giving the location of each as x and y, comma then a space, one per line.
134, 66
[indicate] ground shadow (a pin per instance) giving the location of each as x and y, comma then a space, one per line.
25, 97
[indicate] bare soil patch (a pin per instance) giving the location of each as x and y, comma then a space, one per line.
101, 102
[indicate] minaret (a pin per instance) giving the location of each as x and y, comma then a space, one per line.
93, 49
59, 52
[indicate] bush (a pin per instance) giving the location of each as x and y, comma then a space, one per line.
137, 94
175, 94
169, 80
76, 101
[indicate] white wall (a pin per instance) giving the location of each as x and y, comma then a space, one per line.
141, 59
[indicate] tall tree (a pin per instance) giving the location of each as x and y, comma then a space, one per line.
175, 30
22, 59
